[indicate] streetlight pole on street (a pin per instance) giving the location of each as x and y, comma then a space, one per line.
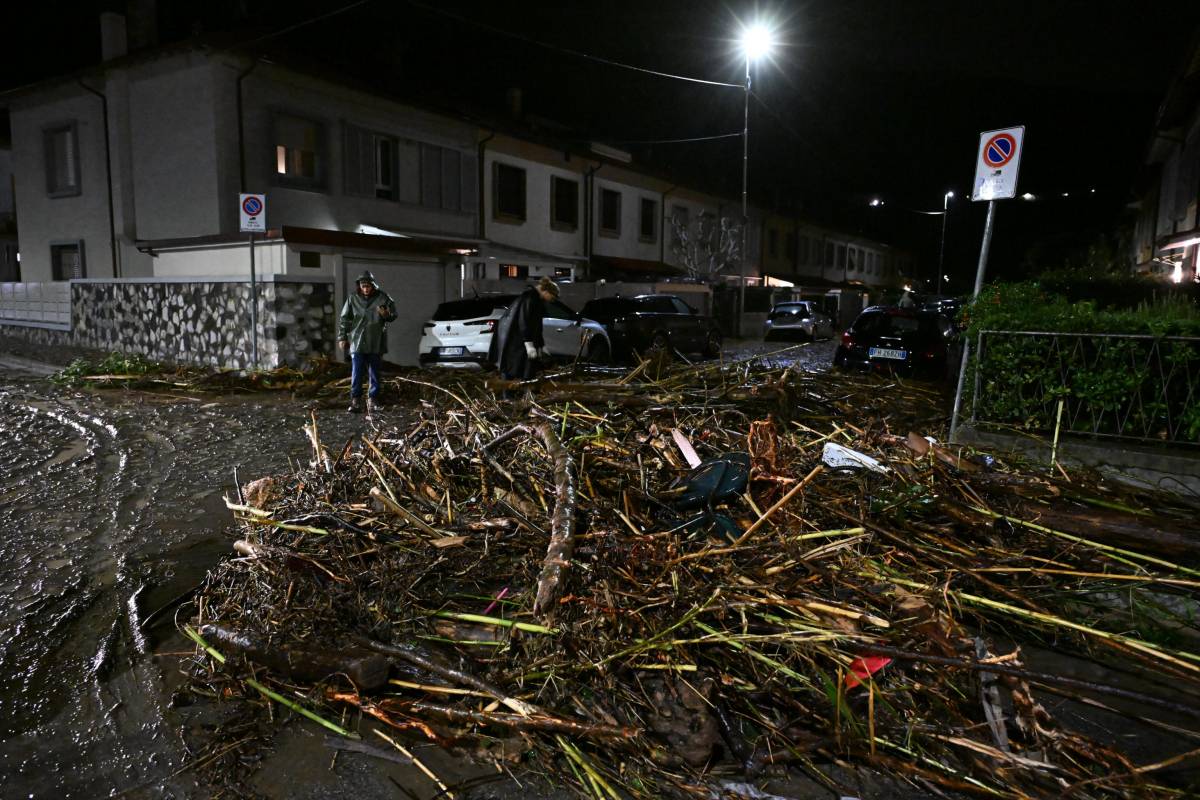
756, 43
942, 250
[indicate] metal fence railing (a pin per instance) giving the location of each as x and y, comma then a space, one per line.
1134, 387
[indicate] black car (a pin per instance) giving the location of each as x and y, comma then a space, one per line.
654, 321
900, 339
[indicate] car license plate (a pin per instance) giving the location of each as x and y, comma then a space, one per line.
885, 352
450, 351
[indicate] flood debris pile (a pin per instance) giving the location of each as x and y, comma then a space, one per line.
680, 587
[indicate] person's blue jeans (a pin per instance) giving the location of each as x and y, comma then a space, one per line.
360, 363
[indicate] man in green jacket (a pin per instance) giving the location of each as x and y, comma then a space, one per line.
363, 332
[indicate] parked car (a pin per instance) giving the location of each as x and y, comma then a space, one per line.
797, 318
655, 321
460, 332
902, 339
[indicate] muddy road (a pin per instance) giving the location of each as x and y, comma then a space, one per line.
111, 506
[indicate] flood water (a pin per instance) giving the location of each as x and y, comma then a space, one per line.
109, 502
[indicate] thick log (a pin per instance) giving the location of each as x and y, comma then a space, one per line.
365, 669
1151, 535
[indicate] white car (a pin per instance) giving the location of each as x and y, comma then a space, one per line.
460, 332
798, 317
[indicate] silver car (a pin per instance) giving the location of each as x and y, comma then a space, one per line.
797, 318
460, 333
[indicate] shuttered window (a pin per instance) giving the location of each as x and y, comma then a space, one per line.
370, 164
62, 160
66, 261
509, 192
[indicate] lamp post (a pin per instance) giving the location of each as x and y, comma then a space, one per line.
756, 43
942, 250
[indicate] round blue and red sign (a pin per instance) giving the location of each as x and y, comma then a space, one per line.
999, 150
252, 206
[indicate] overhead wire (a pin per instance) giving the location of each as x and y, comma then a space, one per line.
663, 141
566, 50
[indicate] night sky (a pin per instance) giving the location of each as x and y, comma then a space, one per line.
862, 99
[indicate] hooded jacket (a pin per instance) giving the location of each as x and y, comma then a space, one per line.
362, 324
521, 323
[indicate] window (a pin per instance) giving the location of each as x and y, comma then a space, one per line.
370, 164
62, 160
610, 212
829, 254
66, 261
841, 256
852, 259
514, 271
680, 215
299, 152
509, 193
680, 306
772, 242
310, 259
648, 228
564, 204
557, 310
656, 304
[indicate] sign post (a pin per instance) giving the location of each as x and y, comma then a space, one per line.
252, 209
996, 168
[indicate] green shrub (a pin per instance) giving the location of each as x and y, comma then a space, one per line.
1142, 387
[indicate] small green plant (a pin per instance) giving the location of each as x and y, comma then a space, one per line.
131, 364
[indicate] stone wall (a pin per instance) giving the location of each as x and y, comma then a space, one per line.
203, 323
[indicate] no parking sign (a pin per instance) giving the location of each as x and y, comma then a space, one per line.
253, 210
997, 165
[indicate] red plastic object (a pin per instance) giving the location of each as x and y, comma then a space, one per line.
863, 668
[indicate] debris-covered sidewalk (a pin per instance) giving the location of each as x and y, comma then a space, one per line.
680, 581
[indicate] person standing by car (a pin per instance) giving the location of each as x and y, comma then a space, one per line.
518, 344
363, 333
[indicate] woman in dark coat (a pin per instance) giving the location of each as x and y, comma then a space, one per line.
518, 345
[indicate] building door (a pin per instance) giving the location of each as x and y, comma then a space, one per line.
416, 288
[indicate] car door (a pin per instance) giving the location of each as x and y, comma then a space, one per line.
690, 326
560, 330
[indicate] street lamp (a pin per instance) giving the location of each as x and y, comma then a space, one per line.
756, 43
942, 251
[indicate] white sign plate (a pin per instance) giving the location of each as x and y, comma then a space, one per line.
997, 164
253, 211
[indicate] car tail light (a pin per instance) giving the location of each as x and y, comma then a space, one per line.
427, 326
490, 324
847, 339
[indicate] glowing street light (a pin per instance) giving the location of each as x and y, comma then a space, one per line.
875, 202
756, 43
1029, 196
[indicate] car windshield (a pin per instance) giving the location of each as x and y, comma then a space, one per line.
471, 308
789, 309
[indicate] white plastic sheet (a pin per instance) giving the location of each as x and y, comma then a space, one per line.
839, 457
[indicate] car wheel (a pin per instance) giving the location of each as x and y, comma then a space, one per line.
598, 352
712, 345
659, 344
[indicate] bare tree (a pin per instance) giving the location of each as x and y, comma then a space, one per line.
706, 245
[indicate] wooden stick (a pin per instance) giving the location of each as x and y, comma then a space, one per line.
779, 504
403, 513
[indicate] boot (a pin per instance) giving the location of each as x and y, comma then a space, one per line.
356, 405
